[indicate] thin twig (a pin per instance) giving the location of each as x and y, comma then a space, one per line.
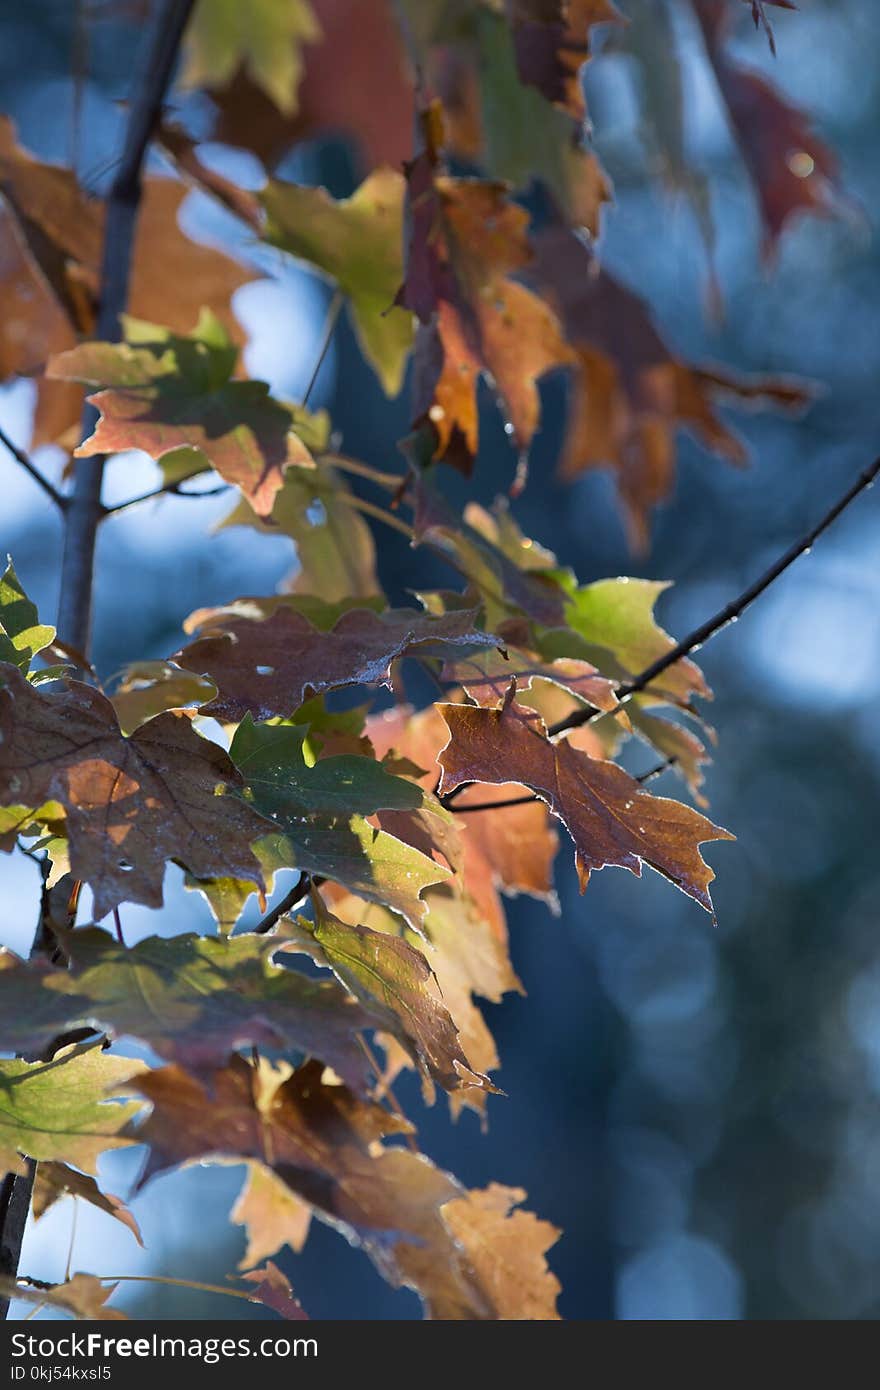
333, 311
298, 892
117, 923
148, 1279
30, 467
84, 504
730, 612
167, 490
586, 714
461, 810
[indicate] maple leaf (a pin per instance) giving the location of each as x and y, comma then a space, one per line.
318, 814
324, 1143
486, 677
612, 624
335, 550
552, 43
464, 933
148, 688
630, 394
273, 1291
22, 635
84, 1296
506, 1248
51, 235
196, 999
514, 851
792, 170
162, 393
466, 948
56, 1180
611, 820
271, 1214
130, 803
59, 1110
467, 239
357, 242
32, 1014
268, 668
503, 574
396, 984
265, 40
369, 103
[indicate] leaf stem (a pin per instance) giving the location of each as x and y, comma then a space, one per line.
30, 467
291, 900
391, 482
387, 518
334, 309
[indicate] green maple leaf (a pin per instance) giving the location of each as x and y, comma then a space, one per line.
320, 813
264, 36
357, 242
22, 635
60, 1109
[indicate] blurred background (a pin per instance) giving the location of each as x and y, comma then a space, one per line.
696, 1106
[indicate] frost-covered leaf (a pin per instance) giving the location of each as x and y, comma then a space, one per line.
269, 668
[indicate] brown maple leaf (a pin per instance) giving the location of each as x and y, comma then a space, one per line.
51, 235
131, 803
629, 393
269, 668
369, 103
610, 818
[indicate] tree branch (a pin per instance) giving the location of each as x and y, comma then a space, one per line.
123, 203
83, 507
730, 612
30, 467
585, 714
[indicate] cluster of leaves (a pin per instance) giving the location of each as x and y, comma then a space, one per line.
387, 819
